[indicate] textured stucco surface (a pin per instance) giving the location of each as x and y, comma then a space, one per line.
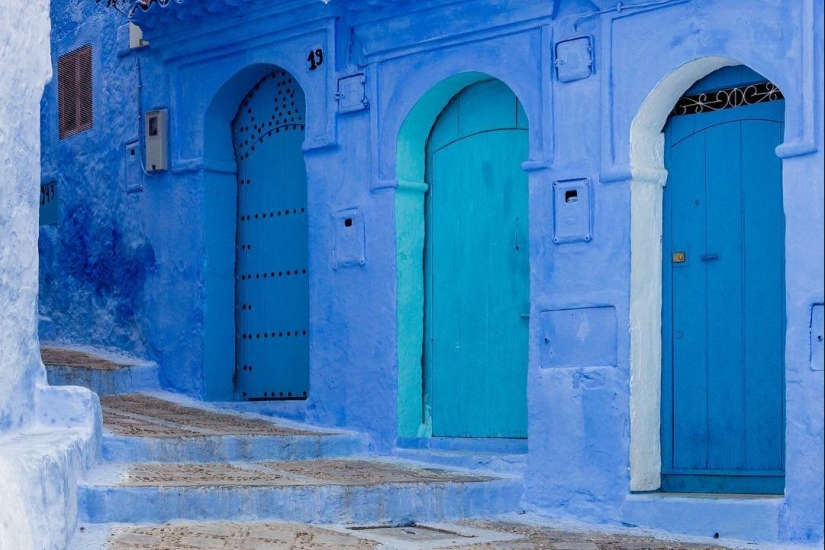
23, 28
157, 278
93, 264
48, 436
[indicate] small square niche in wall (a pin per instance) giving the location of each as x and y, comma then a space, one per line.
574, 59
571, 211
348, 247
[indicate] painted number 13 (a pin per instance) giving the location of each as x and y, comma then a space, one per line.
315, 59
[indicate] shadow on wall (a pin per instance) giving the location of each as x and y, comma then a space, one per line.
87, 254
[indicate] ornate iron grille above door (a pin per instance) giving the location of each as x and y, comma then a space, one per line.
728, 98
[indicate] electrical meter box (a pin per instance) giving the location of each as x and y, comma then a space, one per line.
157, 140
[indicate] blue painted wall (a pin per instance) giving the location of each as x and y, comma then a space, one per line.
95, 263
152, 271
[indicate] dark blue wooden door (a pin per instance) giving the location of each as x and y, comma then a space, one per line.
723, 289
477, 266
271, 288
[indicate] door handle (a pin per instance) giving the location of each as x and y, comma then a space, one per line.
709, 257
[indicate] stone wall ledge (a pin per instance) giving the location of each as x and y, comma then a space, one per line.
40, 468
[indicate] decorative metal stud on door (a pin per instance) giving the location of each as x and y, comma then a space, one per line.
271, 281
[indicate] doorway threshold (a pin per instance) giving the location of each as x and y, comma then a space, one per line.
714, 496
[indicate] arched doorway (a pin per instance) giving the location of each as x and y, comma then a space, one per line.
723, 307
476, 266
271, 281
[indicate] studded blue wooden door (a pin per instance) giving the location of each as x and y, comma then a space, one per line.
723, 289
477, 266
271, 289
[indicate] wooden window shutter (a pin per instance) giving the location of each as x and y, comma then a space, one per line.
74, 91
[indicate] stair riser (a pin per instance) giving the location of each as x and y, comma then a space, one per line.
105, 382
506, 464
229, 448
391, 503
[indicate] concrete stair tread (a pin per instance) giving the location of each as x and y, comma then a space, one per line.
170, 458
282, 535
228, 535
103, 372
86, 359
503, 532
345, 472
144, 415
350, 491
162, 427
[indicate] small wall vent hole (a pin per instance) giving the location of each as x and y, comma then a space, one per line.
348, 222
571, 196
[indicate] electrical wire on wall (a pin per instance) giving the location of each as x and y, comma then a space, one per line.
141, 132
622, 6
144, 5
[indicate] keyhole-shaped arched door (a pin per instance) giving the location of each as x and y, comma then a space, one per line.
271, 282
477, 266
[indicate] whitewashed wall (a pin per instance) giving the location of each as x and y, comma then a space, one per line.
24, 70
48, 436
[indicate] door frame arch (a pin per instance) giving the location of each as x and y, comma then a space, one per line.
413, 416
219, 220
648, 179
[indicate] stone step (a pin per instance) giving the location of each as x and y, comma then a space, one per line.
274, 535
153, 428
101, 372
227, 535
313, 491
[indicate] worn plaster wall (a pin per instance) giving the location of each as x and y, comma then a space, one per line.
24, 29
48, 436
96, 260
591, 425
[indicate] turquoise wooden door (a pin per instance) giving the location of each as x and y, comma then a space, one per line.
723, 290
271, 289
477, 266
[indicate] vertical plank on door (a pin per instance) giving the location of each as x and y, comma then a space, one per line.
478, 281
690, 401
723, 263
764, 320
